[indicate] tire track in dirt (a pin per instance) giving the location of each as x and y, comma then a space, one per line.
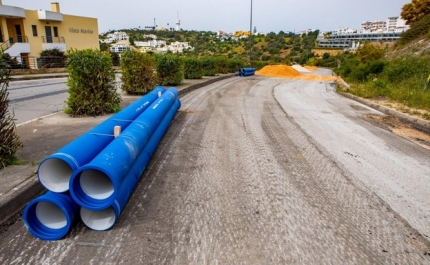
261, 193
237, 181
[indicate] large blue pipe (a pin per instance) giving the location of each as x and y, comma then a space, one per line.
246, 71
95, 185
105, 219
50, 216
54, 172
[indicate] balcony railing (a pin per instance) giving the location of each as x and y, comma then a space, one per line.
50, 39
16, 39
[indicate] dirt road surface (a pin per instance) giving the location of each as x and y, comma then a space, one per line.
262, 171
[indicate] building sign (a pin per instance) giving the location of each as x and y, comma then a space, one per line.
85, 31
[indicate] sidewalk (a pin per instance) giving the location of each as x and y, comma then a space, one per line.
41, 138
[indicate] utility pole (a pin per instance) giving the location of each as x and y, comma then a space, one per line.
250, 38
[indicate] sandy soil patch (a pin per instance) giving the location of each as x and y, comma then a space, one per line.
285, 71
395, 125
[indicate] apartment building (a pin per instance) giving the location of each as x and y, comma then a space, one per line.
377, 31
25, 33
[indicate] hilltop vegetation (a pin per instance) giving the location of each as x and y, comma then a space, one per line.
266, 49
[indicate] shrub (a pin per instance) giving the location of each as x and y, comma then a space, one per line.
51, 58
209, 66
170, 69
221, 65
234, 65
193, 68
91, 82
138, 75
9, 140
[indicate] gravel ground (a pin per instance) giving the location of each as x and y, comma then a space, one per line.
240, 178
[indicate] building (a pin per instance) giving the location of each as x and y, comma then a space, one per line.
119, 48
376, 31
115, 37
25, 33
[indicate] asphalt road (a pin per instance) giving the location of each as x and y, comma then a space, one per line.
33, 99
262, 171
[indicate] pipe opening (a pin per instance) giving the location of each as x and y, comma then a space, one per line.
98, 220
96, 184
50, 215
55, 174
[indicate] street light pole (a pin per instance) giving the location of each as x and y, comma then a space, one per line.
250, 38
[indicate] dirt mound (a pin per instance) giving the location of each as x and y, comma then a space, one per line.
278, 71
289, 72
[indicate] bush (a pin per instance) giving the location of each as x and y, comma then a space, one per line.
51, 58
91, 82
9, 140
234, 65
138, 77
170, 69
209, 66
193, 68
221, 65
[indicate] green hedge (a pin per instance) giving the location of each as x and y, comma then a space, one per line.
193, 68
138, 77
209, 66
170, 69
91, 82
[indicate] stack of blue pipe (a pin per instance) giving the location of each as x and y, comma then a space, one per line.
95, 175
246, 71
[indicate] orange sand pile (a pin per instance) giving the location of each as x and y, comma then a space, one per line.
278, 71
285, 71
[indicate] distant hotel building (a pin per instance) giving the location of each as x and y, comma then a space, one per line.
385, 31
25, 33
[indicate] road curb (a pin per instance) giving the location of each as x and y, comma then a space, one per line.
15, 200
33, 77
200, 85
415, 122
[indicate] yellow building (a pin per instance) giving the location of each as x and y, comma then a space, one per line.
25, 33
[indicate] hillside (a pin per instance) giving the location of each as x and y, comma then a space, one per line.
266, 49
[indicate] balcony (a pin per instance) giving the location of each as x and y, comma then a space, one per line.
49, 16
50, 43
12, 12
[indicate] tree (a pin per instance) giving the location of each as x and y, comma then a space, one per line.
368, 52
415, 10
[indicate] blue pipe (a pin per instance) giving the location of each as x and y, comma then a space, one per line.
106, 219
95, 185
50, 216
54, 172
246, 71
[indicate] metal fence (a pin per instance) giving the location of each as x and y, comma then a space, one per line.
43, 62
27, 62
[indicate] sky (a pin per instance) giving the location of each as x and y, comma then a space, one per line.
226, 15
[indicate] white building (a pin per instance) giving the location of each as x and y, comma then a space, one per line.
178, 47
151, 43
119, 48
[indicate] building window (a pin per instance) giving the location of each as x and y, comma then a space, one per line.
55, 32
34, 29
